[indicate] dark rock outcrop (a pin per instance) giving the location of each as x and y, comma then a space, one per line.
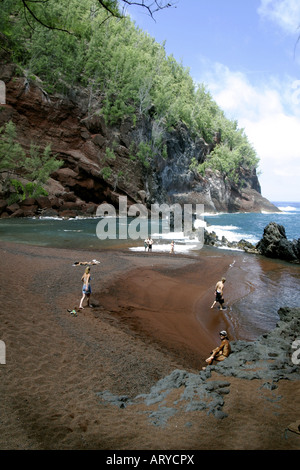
275, 244
211, 239
270, 358
183, 186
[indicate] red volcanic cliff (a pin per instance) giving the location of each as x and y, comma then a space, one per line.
91, 175
76, 137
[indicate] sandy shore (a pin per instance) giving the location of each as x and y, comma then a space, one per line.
151, 316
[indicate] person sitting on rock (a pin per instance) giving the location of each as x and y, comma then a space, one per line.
220, 353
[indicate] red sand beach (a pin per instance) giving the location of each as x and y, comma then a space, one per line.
151, 316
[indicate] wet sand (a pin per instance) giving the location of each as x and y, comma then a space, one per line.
168, 302
151, 316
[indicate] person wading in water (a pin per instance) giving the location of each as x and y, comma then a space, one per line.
219, 293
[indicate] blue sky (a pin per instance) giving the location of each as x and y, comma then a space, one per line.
246, 53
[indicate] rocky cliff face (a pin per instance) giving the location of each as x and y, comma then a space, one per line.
79, 136
174, 179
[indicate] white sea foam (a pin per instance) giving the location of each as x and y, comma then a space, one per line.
184, 243
199, 223
229, 248
268, 212
231, 233
165, 248
289, 209
47, 218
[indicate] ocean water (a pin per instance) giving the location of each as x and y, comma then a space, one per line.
250, 226
82, 233
257, 288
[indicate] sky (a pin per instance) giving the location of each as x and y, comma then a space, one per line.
247, 55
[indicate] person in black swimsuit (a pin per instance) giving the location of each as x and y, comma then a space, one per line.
219, 293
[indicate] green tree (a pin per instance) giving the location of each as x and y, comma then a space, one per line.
15, 165
11, 153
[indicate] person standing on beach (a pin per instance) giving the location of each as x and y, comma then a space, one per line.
221, 352
86, 288
150, 244
219, 293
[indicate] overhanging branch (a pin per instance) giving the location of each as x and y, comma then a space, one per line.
26, 8
152, 6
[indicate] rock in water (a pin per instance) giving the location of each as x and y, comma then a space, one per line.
275, 244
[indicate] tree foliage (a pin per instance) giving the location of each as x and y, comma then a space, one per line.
16, 166
126, 70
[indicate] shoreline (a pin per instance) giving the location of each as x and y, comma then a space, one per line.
150, 318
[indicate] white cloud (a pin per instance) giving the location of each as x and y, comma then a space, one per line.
270, 115
284, 13
237, 96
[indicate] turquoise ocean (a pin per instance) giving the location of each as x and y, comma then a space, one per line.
81, 233
250, 226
